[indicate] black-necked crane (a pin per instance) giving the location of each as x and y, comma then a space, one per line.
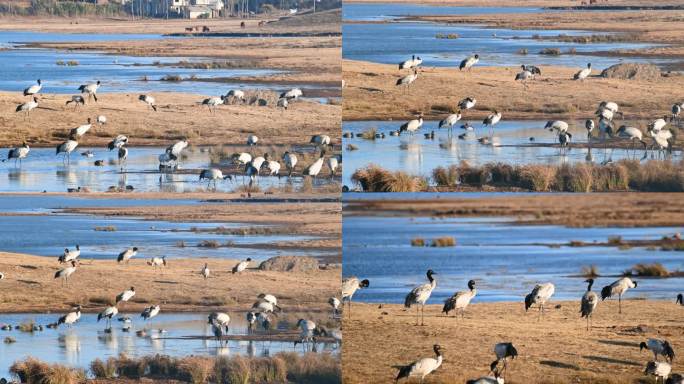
213, 175
205, 272
662, 139
241, 158
491, 120
290, 160
459, 301
252, 140
556, 125
70, 318
469, 62
450, 121
420, 368
307, 328
564, 141
125, 295
335, 304
676, 111
420, 295
150, 312
258, 162
65, 273
467, 103
608, 109
272, 166
523, 76
589, 126
413, 125
251, 319
122, 156
413, 62
34, 89
659, 369
503, 351
252, 172
658, 347
658, 124
70, 255
680, 299
241, 266
349, 286
117, 142
541, 293
606, 130
77, 100
176, 149
270, 298
213, 102
157, 262
66, 148
90, 89
221, 319
235, 95
589, 302
265, 306
583, 73
633, 134
332, 165
315, 168
107, 314
676, 378
619, 288
127, 255
282, 103
495, 379
408, 79
149, 100
27, 107
532, 68
320, 140
102, 119
81, 129
18, 153
2, 276
292, 94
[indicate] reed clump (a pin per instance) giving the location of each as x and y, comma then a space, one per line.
376, 179
648, 270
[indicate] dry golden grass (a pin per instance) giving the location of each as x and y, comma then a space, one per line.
558, 349
376, 179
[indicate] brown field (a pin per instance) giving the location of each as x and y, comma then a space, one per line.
557, 349
179, 287
178, 115
523, 3
370, 93
577, 210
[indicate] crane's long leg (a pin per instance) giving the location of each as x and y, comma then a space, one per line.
620, 303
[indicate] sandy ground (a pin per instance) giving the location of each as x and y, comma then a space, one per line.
557, 349
178, 115
371, 93
179, 287
579, 210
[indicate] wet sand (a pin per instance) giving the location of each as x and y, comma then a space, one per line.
574, 210
179, 287
178, 115
371, 93
557, 349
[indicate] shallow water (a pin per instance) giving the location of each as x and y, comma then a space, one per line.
47, 203
86, 341
495, 253
394, 42
42, 170
153, 238
419, 156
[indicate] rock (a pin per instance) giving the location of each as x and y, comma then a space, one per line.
289, 264
632, 71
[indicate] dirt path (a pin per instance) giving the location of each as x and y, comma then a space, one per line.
557, 349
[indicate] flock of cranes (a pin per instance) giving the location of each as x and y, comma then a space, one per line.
662, 136
252, 165
539, 296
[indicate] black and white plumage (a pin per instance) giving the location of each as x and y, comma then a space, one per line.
292, 94
81, 129
413, 125
532, 69
588, 303
332, 165
235, 95
117, 142
459, 301
633, 134
564, 140
503, 351
90, 89
241, 266
77, 100
18, 153
349, 286
676, 378
176, 149
213, 102
420, 368
34, 89
320, 140
658, 347
676, 111
524, 75
619, 288
108, 313
290, 160
408, 79
150, 312
127, 255
264, 320
70, 318
241, 158
335, 304
205, 271
467, 103
583, 74
70, 255
102, 119
469, 62
28, 106
122, 156
556, 125
251, 319
307, 332
65, 273
157, 262
125, 295
680, 299
212, 175
268, 297
315, 168
487, 380
589, 126
541, 293
66, 148
282, 103
413, 62
221, 319
660, 370
252, 140
449, 121
420, 295
149, 100
266, 306
272, 166
491, 120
